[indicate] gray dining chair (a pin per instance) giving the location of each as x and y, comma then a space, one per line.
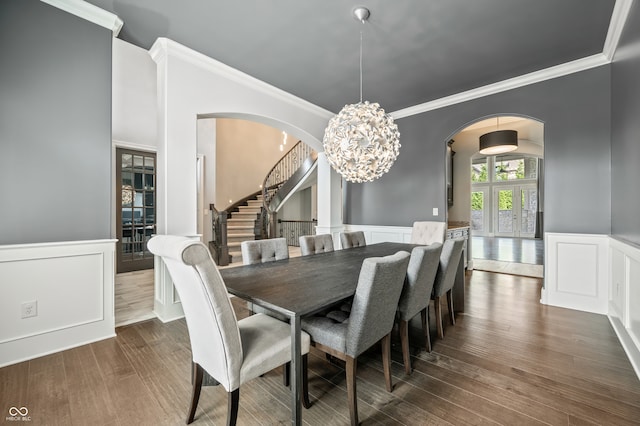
315, 244
428, 232
232, 352
352, 239
347, 335
261, 251
445, 278
416, 295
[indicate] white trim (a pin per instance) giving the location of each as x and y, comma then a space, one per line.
624, 300
502, 86
134, 146
576, 272
56, 274
618, 19
164, 48
89, 12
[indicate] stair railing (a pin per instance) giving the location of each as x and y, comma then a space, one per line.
281, 180
219, 245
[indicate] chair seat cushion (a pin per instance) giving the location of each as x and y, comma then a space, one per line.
266, 344
329, 330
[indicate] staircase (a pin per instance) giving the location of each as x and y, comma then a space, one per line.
254, 217
242, 227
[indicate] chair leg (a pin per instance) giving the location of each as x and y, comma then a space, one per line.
404, 340
452, 315
233, 398
424, 314
351, 364
438, 312
196, 379
305, 381
286, 374
386, 360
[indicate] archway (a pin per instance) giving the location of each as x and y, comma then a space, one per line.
501, 197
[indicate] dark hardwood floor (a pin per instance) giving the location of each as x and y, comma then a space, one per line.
508, 360
519, 250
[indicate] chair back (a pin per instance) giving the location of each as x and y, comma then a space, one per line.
314, 244
261, 251
352, 239
418, 284
427, 232
375, 302
449, 260
212, 323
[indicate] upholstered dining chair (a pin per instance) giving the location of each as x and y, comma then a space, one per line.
261, 251
416, 295
352, 239
314, 244
427, 232
445, 278
232, 352
347, 335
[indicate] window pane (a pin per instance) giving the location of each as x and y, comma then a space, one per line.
509, 168
479, 170
477, 211
505, 210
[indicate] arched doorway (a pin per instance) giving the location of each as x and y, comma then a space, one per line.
501, 196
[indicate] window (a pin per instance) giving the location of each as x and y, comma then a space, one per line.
510, 167
479, 171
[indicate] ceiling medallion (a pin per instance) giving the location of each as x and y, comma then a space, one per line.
362, 142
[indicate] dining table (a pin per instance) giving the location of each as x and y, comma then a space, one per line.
301, 286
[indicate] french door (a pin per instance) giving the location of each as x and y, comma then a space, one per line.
515, 210
135, 208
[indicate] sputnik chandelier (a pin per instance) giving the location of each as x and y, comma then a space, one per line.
362, 142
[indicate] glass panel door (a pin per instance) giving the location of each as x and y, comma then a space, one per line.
515, 211
135, 208
504, 212
528, 210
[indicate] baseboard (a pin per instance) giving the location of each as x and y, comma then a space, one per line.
629, 346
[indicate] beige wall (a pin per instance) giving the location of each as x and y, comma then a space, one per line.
245, 152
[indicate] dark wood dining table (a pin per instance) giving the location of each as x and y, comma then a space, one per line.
301, 286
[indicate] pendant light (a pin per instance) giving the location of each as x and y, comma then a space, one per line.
499, 141
362, 142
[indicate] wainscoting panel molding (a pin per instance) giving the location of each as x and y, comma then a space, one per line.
72, 285
382, 234
624, 297
577, 272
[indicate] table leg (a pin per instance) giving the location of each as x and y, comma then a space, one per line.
458, 288
296, 371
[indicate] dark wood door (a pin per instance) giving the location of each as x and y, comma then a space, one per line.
135, 208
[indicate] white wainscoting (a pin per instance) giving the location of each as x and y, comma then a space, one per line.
382, 234
577, 272
624, 297
73, 285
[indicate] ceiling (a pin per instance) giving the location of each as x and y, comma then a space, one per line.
415, 51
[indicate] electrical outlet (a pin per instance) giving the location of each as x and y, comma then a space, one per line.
435, 211
30, 309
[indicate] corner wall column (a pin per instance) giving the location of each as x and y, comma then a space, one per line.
329, 199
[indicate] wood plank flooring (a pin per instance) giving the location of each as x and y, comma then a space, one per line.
508, 360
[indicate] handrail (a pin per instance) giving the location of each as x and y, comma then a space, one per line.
283, 177
219, 244
283, 170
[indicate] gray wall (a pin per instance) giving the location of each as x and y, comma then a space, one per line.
625, 135
55, 125
575, 110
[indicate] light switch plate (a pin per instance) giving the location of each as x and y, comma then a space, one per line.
435, 211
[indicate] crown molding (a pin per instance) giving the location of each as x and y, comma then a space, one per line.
502, 86
618, 19
164, 48
89, 12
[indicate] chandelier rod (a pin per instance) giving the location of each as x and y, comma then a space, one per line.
361, 62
